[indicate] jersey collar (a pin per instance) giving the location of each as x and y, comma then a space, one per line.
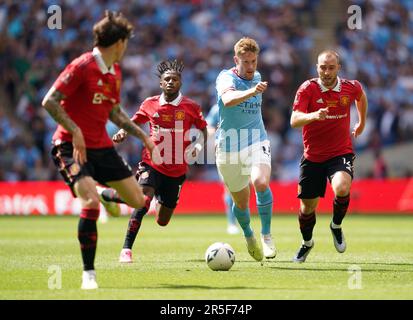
101, 64
235, 71
175, 102
337, 88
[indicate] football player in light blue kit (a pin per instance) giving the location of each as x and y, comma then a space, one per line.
243, 150
213, 119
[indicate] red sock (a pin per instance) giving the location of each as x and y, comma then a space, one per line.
307, 223
340, 206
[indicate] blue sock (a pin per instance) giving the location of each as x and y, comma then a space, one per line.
264, 205
243, 218
228, 209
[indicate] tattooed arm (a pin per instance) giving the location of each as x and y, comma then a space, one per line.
121, 119
51, 103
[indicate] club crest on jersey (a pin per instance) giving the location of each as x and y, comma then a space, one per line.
344, 101
179, 115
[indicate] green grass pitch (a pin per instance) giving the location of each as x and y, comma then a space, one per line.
169, 261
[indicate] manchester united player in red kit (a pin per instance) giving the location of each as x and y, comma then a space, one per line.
322, 109
170, 115
84, 96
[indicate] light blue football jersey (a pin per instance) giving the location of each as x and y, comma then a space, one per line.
213, 116
239, 126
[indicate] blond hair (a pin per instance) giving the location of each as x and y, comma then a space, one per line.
246, 44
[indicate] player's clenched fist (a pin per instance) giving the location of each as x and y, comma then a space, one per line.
119, 136
321, 114
261, 87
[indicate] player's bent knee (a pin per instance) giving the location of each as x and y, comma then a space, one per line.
242, 205
308, 208
261, 185
342, 190
92, 202
162, 222
138, 203
164, 215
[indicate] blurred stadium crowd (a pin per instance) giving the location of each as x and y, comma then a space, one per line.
202, 34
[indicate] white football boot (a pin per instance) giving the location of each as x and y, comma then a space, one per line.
268, 246
89, 280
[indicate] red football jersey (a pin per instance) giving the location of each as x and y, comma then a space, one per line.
169, 123
91, 91
327, 139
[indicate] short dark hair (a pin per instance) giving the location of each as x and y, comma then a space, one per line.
111, 28
170, 65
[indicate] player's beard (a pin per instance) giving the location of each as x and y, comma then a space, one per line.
249, 76
329, 82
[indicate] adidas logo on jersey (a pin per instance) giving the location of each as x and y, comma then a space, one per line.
100, 83
320, 100
156, 115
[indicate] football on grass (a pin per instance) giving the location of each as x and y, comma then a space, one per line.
220, 256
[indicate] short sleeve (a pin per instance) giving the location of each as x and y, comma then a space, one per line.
141, 116
302, 98
199, 120
359, 90
224, 83
69, 80
213, 116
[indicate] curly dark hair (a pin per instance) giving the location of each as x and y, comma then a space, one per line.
170, 65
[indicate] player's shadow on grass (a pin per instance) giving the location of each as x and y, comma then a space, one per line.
201, 287
295, 267
371, 263
186, 287
349, 263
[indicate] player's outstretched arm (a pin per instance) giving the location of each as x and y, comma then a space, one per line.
362, 106
51, 103
300, 119
232, 98
121, 119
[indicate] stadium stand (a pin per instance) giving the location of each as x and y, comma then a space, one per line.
201, 33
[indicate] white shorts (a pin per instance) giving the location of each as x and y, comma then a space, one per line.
234, 168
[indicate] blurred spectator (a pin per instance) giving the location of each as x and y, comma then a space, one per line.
381, 55
380, 167
201, 33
